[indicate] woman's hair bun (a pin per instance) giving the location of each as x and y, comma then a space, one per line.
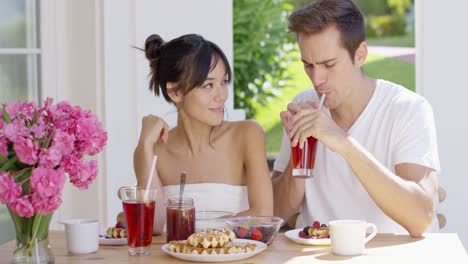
153, 47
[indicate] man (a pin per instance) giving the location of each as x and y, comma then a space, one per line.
377, 157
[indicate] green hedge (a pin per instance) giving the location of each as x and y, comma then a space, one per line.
387, 25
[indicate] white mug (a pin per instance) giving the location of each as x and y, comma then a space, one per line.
348, 237
82, 235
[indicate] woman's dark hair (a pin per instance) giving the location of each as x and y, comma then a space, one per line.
343, 13
186, 60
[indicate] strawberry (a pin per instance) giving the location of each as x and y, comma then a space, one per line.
316, 224
302, 234
256, 235
324, 235
243, 233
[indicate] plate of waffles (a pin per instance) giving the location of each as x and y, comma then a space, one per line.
213, 245
113, 237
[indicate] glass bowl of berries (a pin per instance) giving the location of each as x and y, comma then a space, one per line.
260, 228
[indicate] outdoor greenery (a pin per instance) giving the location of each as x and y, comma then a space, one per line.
386, 25
261, 51
406, 40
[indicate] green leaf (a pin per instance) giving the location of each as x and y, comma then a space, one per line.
7, 165
6, 116
36, 225
35, 117
20, 226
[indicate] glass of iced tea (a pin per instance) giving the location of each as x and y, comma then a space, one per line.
303, 159
180, 219
138, 206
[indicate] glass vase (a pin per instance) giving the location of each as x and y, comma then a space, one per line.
32, 239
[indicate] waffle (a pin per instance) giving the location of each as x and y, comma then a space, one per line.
229, 248
211, 238
115, 232
318, 231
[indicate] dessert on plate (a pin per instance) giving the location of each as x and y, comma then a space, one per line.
315, 231
211, 242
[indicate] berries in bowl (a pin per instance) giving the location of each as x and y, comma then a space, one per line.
259, 228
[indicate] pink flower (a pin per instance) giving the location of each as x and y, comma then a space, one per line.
9, 190
93, 138
46, 205
21, 110
15, 130
63, 118
70, 164
23, 207
39, 130
50, 158
3, 147
47, 182
64, 142
87, 172
26, 150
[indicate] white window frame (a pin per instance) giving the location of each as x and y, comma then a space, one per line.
33, 71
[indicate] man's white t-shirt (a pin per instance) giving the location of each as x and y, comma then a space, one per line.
397, 126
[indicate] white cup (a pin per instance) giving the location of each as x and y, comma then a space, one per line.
348, 237
82, 235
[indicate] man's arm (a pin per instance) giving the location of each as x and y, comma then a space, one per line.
407, 196
288, 193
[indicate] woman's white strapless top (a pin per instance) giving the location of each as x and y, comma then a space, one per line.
213, 196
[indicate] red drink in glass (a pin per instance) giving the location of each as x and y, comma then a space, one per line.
138, 205
139, 216
303, 159
180, 218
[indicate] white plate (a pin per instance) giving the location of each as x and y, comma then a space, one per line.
218, 258
294, 236
112, 241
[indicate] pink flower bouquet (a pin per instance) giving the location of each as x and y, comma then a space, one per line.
38, 146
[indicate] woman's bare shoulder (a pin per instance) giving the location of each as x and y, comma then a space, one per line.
247, 129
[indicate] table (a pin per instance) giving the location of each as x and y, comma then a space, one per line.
384, 248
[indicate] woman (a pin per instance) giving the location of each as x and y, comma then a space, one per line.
225, 161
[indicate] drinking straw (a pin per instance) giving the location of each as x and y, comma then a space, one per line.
322, 99
150, 176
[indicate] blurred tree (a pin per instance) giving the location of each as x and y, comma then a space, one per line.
261, 51
400, 7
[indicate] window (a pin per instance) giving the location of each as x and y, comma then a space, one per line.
19, 67
19, 50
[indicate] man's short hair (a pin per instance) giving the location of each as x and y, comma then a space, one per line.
343, 14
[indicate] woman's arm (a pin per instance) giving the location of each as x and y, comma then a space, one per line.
259, 185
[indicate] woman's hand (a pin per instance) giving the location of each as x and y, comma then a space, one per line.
153, 129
